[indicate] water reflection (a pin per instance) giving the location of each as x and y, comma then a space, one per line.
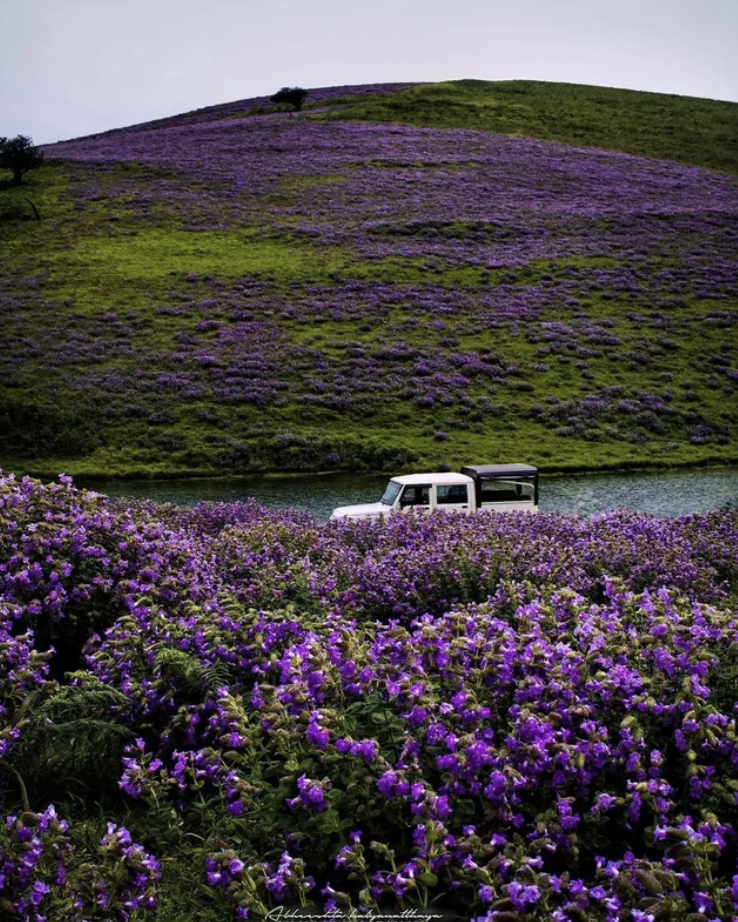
668, 493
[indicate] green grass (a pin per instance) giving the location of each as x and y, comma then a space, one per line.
703, 132
154, 255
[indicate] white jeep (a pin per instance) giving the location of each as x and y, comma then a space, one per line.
479, 488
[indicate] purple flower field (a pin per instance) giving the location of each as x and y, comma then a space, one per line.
531, 199
510, 716
214, 288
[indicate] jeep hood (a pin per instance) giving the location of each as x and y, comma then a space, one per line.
363, 511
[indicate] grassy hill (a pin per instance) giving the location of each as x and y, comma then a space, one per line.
697, 131
399, 276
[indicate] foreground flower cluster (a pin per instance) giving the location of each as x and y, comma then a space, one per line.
40, 872
510, 716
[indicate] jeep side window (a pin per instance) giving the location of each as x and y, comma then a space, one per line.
501, 491
452, 494
415, 495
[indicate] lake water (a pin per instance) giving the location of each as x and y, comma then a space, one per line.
669, 493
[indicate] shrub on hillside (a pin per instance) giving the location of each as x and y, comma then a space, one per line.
33, 430
293, 96
19, 155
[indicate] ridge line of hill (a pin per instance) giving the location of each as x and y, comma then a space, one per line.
702, 132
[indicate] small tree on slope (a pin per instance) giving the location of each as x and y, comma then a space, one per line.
294, 96
19, 155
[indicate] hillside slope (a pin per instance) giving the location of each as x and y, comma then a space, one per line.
242, 289
703, 132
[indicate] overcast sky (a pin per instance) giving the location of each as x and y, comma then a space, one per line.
73, 67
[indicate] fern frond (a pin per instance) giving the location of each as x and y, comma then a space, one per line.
84, 726
181, 668
29, 703
218, 675
73, 737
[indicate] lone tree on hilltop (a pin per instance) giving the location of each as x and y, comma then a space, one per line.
294, 96
19, 155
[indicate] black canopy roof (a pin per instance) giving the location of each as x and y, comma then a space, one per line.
499, 471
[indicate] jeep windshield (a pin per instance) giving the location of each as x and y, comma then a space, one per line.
390, 494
